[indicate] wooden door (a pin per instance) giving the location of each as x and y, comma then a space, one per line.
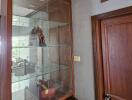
116, 34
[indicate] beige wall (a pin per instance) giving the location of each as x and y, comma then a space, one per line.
110, 5
84, 80
82, 12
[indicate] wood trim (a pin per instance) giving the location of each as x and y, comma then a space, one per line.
5, 49
66, 96
103, 1
72, 49
97, 47
116, 13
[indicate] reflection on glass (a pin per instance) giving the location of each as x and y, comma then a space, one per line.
41, 50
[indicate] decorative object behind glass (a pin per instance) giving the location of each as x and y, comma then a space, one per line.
41, 50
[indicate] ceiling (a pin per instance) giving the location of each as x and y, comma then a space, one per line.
25, 7
30, 4
28, 7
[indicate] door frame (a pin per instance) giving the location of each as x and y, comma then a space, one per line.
97, 47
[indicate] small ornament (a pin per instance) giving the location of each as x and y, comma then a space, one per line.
37, 37
46, 90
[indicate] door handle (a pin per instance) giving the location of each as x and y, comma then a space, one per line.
107, 97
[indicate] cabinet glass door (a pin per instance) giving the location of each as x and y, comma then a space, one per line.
41, 50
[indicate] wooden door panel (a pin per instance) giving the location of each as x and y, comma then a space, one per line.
117, 57
113, 97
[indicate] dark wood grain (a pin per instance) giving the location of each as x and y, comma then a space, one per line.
72, 54
59, 10
64, 35
5, 49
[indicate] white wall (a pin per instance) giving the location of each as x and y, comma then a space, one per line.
84, 83
109, 5
82, 12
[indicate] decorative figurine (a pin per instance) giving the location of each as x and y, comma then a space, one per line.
37, 37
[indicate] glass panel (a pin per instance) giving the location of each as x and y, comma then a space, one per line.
41, 50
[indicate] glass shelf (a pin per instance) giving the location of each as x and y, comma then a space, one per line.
61, 45
41, 50
26, 22
49, 69
60, 95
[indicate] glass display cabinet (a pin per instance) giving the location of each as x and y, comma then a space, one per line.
42, 66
